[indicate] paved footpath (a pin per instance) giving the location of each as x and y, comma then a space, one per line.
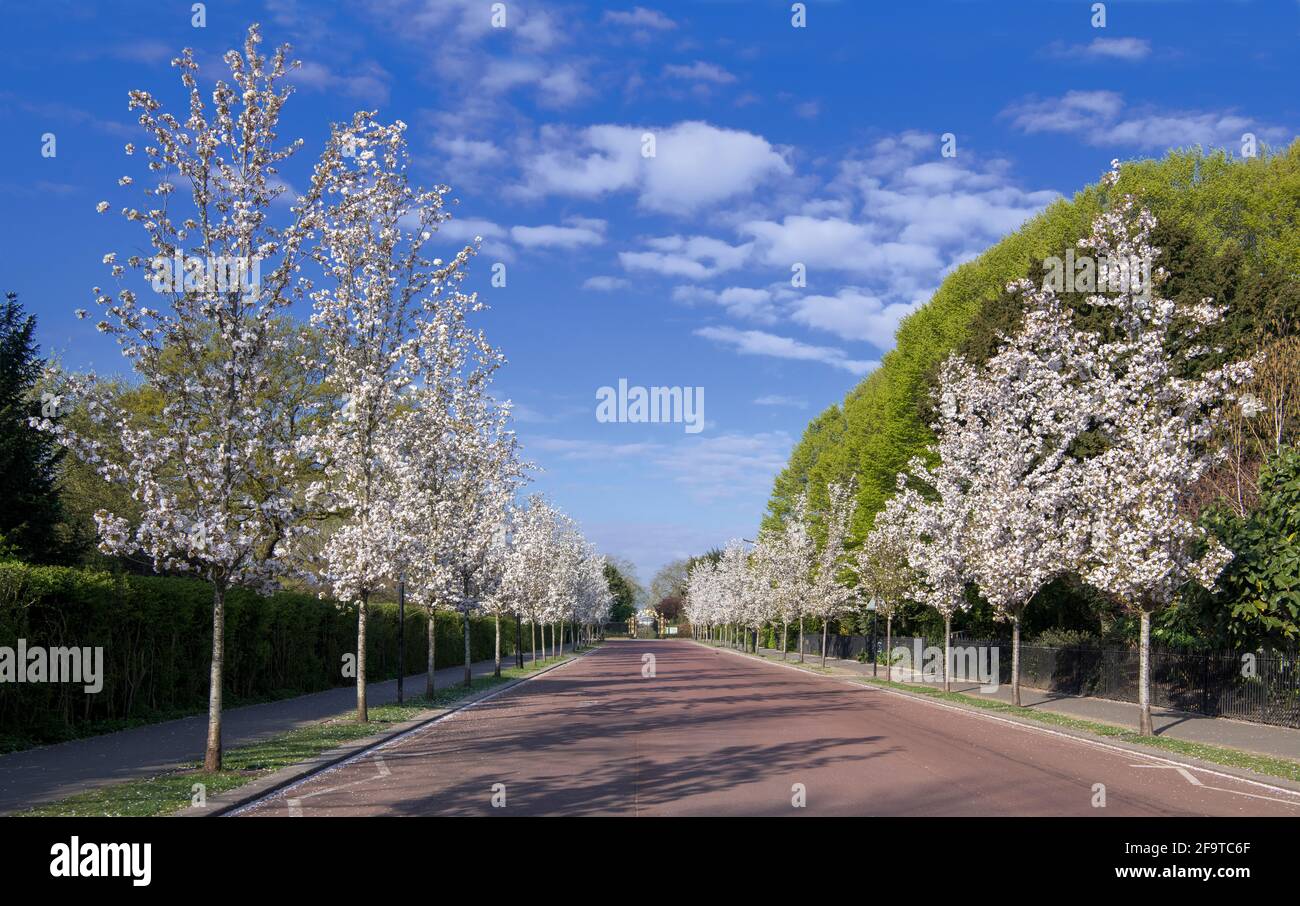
1215, 731
48, 773
716, 733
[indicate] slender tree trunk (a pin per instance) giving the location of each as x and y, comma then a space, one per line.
947, 650
824, 625
785, 629
212, 755
801, 638
1144, 676
363, 713
889, 654
468, 671
519, 640
432, 630
1015, 661
497, 670
532, 628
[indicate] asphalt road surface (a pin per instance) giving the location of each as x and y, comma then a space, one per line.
715, 733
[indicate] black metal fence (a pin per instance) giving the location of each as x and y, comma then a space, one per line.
1260, 686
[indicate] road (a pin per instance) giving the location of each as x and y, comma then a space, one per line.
715, 733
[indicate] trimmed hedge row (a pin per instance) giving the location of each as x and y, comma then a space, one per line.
157, 639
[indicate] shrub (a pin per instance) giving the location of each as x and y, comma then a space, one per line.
156, 634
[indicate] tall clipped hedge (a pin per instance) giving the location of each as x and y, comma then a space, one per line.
1249, 206
156, 635
1229, 228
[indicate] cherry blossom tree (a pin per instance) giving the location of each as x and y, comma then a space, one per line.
882, 569
1007, 429
785, 556
376, 281
938, 540
531, 536
829, 594
1157, 422
215, 472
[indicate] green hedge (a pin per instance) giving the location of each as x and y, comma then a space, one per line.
157, 639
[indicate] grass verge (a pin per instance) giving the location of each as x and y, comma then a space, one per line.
1271, 765
171, 791
1261, 764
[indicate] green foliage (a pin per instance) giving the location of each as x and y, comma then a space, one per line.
624, 603
1260, 601
29, 459
156, 635
1229, 229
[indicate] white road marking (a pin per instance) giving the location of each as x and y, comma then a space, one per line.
1033, 728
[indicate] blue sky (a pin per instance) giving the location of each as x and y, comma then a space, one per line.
774, 145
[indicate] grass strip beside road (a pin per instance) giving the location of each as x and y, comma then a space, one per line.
1236, 758
1270, 765
172, 791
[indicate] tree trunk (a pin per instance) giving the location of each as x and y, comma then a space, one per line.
519, 640
824, 624
1144, 676
947, 650
363, 713
532, 629
497, 670
785, 629
469, 673
1015, 661
889, 655
801, 639
432, 630
212, 755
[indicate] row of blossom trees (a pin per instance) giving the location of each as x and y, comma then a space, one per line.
402, 469
1071, 450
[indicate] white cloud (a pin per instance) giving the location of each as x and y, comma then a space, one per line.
758, 342
604, 284
1129, 50
639, 17
692, 258
854, 315
369, 84
808, 110
776, 399
695, 165
1119, 48
752, 304
468, 228
585, 232
708, 466
699, 71
471, 153
462, 49
1103, 119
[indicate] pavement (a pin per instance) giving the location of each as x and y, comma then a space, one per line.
49, 773
1264, 739
709, 732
